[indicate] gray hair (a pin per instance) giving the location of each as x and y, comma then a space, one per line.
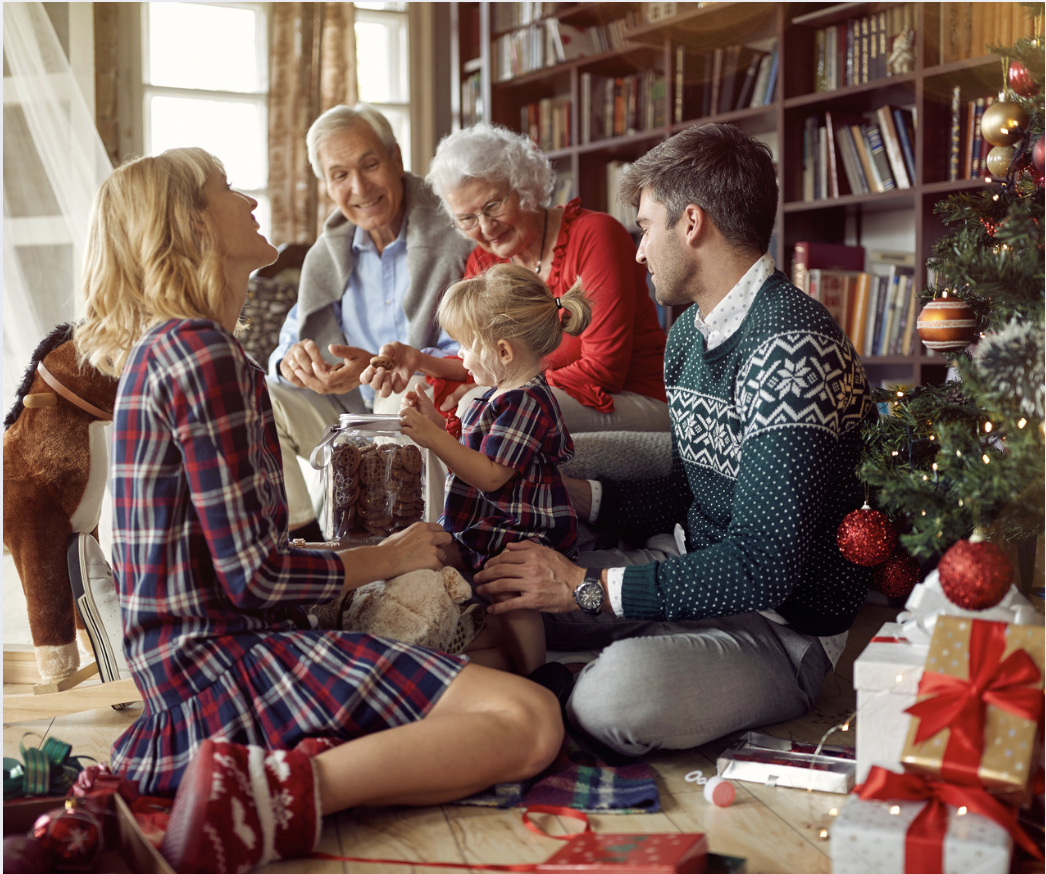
341, 118
491, 153
718, 167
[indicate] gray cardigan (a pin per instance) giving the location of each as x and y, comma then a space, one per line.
436, 255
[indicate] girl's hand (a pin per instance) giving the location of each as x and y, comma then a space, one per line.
424, 405
419, 546
417, 426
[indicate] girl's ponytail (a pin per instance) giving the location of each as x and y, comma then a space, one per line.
577, 310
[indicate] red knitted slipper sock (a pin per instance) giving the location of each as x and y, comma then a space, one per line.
313, 746
241, 806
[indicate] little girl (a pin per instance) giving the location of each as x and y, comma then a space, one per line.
504, 483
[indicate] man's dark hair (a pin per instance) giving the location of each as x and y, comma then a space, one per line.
718, 167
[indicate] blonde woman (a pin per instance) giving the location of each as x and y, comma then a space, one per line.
260, 723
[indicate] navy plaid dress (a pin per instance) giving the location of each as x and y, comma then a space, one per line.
212, 596
521, 428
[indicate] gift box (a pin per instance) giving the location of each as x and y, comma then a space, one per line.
979, 702
132, 853
638, 854
886, 679
760, 758
875, 837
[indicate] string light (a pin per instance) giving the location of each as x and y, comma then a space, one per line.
985, 459
987, 427
1022, 423
961, 811
895, 810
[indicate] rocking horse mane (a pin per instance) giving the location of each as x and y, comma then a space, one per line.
62, 334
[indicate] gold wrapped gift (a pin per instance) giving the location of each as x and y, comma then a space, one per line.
979, 706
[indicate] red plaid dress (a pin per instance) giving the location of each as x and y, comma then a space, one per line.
522, 429
212, 596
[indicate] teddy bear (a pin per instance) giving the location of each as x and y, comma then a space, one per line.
55, 470
422, 607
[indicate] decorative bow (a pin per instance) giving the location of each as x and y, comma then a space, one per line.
47, 769
924, 843
960, 704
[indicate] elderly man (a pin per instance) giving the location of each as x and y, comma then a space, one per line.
737, 624
374, 276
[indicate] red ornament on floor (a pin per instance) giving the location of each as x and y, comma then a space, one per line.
866, 537
975, 574
897, 576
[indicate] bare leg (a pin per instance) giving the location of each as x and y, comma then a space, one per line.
524, 635
488, 727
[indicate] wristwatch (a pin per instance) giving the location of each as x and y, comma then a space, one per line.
589, 595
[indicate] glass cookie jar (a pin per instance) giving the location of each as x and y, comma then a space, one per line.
374, 478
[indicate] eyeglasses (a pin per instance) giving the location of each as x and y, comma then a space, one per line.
491, 210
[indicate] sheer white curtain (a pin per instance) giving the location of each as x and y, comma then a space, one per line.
54, 162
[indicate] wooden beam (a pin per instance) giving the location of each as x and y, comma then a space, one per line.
24, 708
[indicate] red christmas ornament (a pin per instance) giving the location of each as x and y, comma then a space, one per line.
866, 537
25, 855
1038, 156
897, 576
946, 324
975, 574
1020, 80
71, 835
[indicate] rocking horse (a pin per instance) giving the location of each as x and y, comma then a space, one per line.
55, 470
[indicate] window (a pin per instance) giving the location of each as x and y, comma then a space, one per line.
205, 83
383, 65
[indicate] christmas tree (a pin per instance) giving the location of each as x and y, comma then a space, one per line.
967, 456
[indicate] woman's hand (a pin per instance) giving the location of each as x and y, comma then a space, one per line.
305, 367
419, 546
531, 577
386, 380
450, 402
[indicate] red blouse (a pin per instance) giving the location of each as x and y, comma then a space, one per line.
623, 349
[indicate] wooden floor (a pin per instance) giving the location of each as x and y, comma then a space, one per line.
779, 831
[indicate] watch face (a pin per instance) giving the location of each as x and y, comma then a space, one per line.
589, 597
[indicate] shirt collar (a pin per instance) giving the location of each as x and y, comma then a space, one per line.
726, 316
361, 241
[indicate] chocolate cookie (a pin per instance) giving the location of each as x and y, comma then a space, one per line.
382, 361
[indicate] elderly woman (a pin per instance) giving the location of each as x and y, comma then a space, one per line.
496, 187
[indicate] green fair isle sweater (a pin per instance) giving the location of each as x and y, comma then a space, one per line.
765, 445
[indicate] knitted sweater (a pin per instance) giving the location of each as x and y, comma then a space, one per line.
765, 445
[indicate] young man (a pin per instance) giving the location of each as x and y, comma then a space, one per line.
738, 626
373, 277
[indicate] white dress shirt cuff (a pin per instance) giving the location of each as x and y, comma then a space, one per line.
615, 582
596, 500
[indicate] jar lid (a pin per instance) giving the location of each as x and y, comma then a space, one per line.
369, 422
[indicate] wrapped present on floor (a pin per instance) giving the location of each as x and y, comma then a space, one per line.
761, 758
979, 706
911, 824
886, 679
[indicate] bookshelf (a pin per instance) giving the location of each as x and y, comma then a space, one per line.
512, 57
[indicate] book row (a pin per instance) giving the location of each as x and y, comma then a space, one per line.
967, 148
845, 154
969, 29
723, 79
612, 106
547, 122
864, 49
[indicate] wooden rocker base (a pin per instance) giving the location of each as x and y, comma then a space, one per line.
27, 707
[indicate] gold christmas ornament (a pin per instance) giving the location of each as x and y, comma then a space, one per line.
999, 159
1004, 122
946, 325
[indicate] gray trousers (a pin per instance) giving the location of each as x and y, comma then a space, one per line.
677, 685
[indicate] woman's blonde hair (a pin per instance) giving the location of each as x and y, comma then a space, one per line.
152, 254
511, 303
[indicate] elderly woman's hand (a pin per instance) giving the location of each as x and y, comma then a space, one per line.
304, 367
386, 379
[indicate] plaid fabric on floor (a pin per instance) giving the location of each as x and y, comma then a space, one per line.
581, 780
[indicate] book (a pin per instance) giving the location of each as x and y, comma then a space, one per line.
810, 159
907, 346
807, 255
833, 167
954, 135
858, 316
715, 82
833, 293
574, 42
728, 77
771, 81
877, 150
851, 163
888, 131
905, 127
744, 97
864, 156
759, 90
653, 853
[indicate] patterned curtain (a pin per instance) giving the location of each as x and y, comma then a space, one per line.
312, 68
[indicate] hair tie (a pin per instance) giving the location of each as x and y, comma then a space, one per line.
559, 304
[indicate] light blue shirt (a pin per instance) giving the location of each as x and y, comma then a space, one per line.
371, 310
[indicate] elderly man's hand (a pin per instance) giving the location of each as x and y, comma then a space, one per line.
540, 579
394, 377
304, 367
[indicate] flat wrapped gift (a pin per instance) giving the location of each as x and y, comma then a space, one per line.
639, 854
760, 758
886, 678
875, 837
980, 698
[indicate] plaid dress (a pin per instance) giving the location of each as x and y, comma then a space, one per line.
212, 596
523, 429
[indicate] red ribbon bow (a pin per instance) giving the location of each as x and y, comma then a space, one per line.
961, 704
924, 842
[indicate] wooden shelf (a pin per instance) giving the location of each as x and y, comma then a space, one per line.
926, 88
